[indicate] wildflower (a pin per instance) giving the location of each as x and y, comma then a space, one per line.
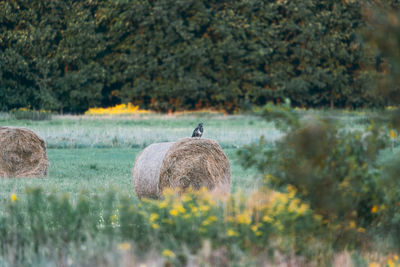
155, 226
374, 264
317, 217
292, 191
232, 232
361, 230
204, 208
392, 134
243, 218
194, 209
352, 225
153, 217
114, 218
390, 263
209, 220
186, 198
374, 209
254, 228
124, 246
163, 204
168, 253
293, 206
173, 212
14, 197
268, 219
181, 209
303, 208
212, 218
395, 257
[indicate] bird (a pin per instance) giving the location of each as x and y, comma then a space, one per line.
198, 132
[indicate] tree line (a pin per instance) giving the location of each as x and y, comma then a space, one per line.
67, 56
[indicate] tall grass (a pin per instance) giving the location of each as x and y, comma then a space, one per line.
103, 132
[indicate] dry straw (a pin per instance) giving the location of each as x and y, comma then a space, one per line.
187, 163
22, 153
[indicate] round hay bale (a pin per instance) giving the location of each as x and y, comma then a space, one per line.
22, 153
189, 162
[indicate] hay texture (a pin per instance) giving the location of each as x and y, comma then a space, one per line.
189, 162
22, 153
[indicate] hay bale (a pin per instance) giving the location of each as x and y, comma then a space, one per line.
22, 153
189, 162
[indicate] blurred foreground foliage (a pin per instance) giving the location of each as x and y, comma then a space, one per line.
337, 173
43, 227
68, 56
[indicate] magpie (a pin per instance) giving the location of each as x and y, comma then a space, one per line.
198, 132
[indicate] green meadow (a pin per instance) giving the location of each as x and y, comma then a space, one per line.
96, 153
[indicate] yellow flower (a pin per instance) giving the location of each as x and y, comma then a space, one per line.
231, 232
194, 209
268, 219
173, 212
153, 217
293, 206
303, 208
155, 226
374, 264
187, 216
317, 217
352, 224
361, 230
181, 209
254, 228
243, 218
114, 218
186, 198
212, 218
14, 197
258, 233
168, 253
390, 263
163, 204
116, 110
395, 257
291, 191
205, 223
124, 246
204, 208
392, 134
374, 209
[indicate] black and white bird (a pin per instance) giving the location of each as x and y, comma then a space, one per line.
198, 132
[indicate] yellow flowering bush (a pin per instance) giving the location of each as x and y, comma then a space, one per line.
121, 109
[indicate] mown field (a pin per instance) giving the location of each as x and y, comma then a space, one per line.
96, 153
86, 213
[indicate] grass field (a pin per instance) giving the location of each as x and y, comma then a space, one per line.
96, 153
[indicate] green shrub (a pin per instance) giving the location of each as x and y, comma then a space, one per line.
334, 170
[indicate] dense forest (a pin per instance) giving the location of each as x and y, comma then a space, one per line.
67, 56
